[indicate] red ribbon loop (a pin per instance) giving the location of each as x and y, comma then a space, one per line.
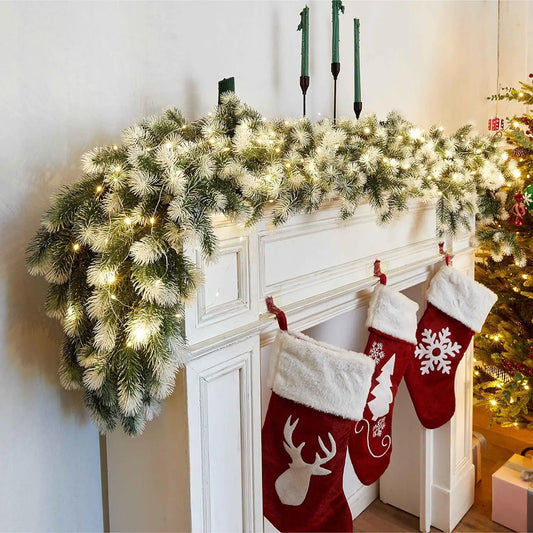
446, 255
280, 315
377, 272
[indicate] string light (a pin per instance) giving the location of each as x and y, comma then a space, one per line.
366, 130
517, 173
115, 147
99, 188
75, 246
127, 220
152, 220
493, 402
505, 156
113, 297
140, 334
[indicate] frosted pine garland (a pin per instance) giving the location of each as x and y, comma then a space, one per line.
111, 244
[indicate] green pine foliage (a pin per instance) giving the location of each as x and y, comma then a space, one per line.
503, 375
111, 246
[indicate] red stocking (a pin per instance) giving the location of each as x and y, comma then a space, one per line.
318, 393
457, 307
392, 326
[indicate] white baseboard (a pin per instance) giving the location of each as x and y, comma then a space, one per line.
362, 498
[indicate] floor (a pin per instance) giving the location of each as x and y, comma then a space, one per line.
502, 443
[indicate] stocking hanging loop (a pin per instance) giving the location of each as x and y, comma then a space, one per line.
280, 315
377, 272
447, 256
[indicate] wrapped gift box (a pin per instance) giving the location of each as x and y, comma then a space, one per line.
512, 498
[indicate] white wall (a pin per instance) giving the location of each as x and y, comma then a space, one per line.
75, 74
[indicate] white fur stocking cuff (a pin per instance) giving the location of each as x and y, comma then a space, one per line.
392, 313
321, 376
461, 297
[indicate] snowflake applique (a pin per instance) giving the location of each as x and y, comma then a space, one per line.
376, 351
378, 428
436, 352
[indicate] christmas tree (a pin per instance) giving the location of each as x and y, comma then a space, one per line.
503, 374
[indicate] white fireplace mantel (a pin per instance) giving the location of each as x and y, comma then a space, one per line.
198, 466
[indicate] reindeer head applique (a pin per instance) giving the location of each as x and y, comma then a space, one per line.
293, 484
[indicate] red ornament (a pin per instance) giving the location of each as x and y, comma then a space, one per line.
496, 124
519, 209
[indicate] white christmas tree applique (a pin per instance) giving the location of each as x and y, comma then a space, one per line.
376, 351
435, 353
382, 393
378, 428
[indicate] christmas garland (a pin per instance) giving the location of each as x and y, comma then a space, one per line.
111, 244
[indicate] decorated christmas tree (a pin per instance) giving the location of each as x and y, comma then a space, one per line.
503, 374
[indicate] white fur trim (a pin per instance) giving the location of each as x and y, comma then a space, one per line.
324, 377
461, 297
392, 313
